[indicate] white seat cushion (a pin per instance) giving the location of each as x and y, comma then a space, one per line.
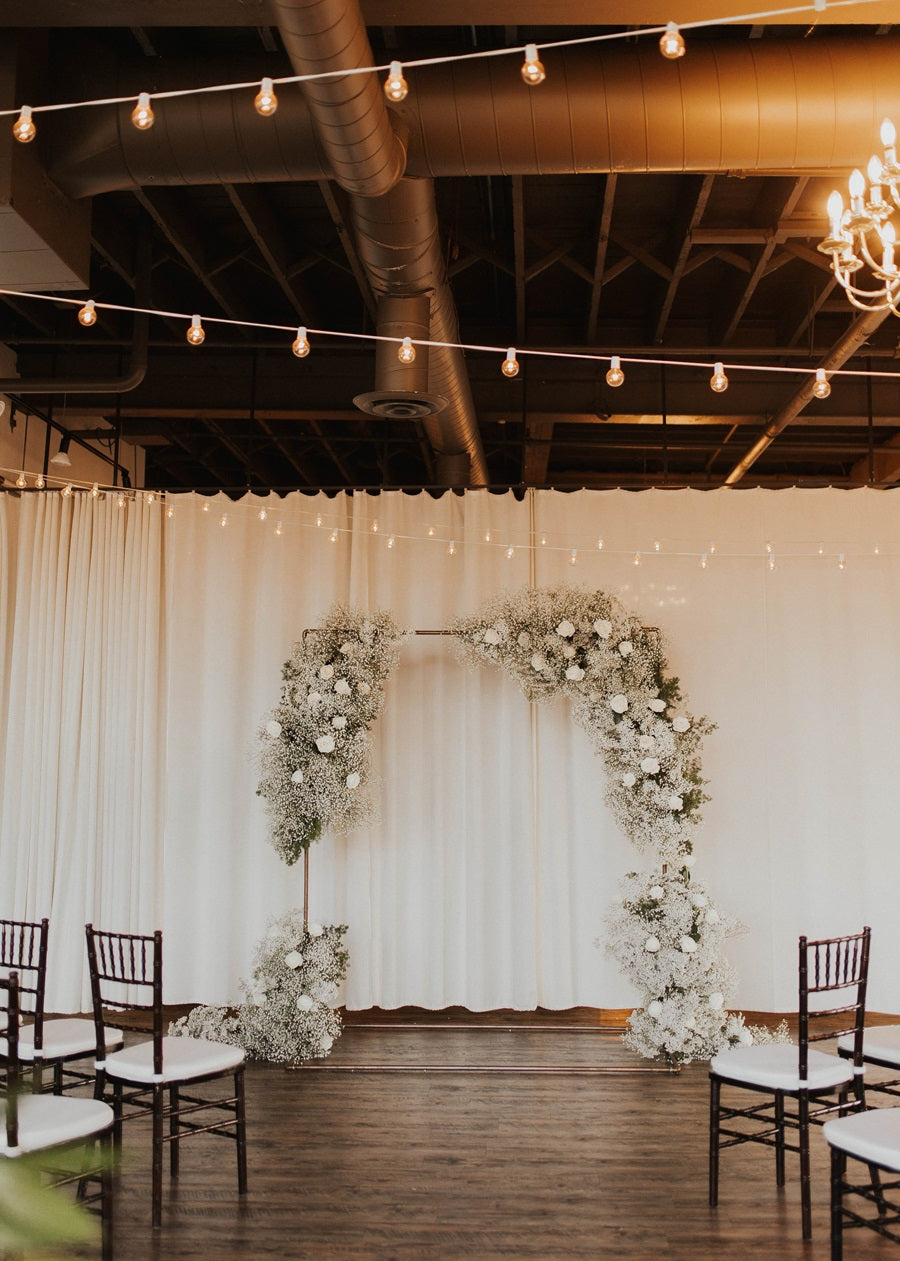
49, 1120
880, 1042
774, 1067
870, 1136
65, 1038
183, 1059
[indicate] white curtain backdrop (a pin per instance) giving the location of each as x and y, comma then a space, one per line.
485, 877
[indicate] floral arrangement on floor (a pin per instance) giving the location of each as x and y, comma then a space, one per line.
314, 746
666, 933
287, 1015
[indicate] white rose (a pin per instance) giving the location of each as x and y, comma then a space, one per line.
326, 1042
690, 1023
339, 722
681, 724
538, 662
657, 891
326, 672
688, 860
305, 1003
565, 629
619, 704
524, 639
492, 635
629, 780
651, 945
676, 802
699, 899
568, 651
646, 742
650, 766
325, 744
315, 930
745, 1037
314, 699
273, 727
626, 647
575, 673
363, 689
353, 779
654, 1008
603, 628
346, 649
717, 1001
687, 945
294, 959
342, 687
656, 705
297, 777
259, 998
712, 916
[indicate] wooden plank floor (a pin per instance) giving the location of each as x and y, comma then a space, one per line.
357, 1166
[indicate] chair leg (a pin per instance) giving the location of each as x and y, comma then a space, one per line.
803, 1144
715, 1087
173, 1131
58, 1077
838, 1165
779, 1138
241, 1130
107, 1192
159, 1096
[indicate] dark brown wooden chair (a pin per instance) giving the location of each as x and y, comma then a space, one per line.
831, 1003
54, 1125
44, 1043
873, 1139
151, 1077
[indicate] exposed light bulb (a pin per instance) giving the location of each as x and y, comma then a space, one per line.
510, 365
88, 314
262, 514
704, 561
66, 490
95, 491
223, 520
395, 86
835, 209
206, 506
573, 557
888, 133
142, 115
771, 562
510, 552
718, 381
637, 558
671, 44
390, 543
487, 536
451, 549
120, 501
300, 344
279, 529
21, 481
266, 102
842, 564
24, 129
406, 352
318, 518
39, 482
600, 545
333, 536
375, 526
150, 498
822, 387
615, 376
543, 540
170, 511
195, 333
430, 531
533, 71
656, 545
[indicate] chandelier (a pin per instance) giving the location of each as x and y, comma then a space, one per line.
863, 236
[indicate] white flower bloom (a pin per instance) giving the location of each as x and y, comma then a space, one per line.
524, 639
325, 744
363, 689
712, 916
699, 899
654, 1008
565, 629
603, 628
629, 780
353, 779
575, 673
651, 945
745, 1037
342, 687
305, 1002
346, 649
339, 722
658, 706
646, 742
657, 891
690, 1023
492, 635
326, 672
681, 724
258, 998
626, 647
315, 930
314, 699
297, 777
538, 662
688, 860
676, 802
650, 766
568, 651
273, 727
687, 945
326, 1042
294, 959
619, 704
717, 1001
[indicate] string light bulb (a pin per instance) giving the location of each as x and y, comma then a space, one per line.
842, 564
451, 548
390, 542
600, 544
822, 387
195, 334
718, 382
66, 490
615, 376
223, 520
573, 556
510, 552
39, 482
120, 500
375, 526
395, 86
333, 536
150, 498
24, 129
300, 344
21, 481
95, 491
704, 561
262, 514
510, 365
279, 529
266, 102
533, 71
671, 44
406, 351
637, 559
88, 314
170, 511
142, 115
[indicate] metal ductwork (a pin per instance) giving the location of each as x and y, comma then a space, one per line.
401, 388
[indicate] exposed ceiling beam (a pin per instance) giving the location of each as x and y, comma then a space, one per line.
678, 267
606, 210
255, 211
518, 198
336, 201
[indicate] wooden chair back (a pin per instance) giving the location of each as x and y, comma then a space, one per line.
23, 949
837, 969
126, 978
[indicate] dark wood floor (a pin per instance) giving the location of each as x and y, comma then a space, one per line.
449, 1163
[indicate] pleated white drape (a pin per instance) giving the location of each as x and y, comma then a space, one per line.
486, 874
